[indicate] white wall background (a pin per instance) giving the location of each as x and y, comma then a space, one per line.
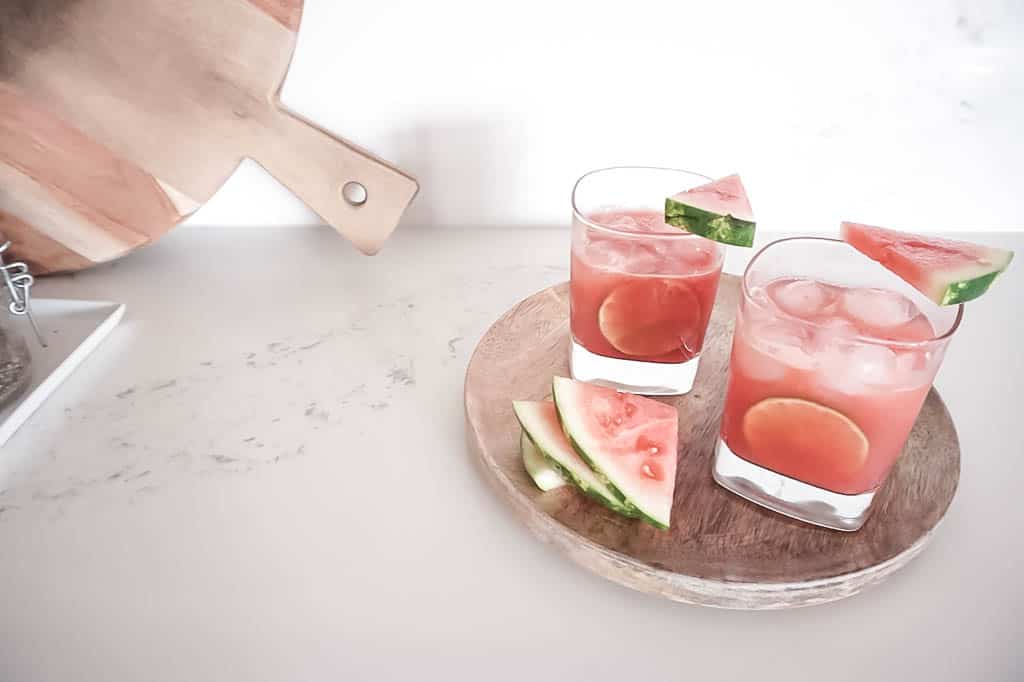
907, 113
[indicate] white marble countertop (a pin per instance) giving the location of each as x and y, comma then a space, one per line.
261, 475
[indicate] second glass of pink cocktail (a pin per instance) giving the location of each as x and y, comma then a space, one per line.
832, 358
641, 291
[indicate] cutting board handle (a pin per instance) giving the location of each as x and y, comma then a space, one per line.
360, 195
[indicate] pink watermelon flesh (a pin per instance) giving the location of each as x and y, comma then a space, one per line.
725, 196
629, 440
947, 271
718, 210
540, 423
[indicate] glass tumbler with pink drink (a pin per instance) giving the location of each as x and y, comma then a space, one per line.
641, 291
832, 358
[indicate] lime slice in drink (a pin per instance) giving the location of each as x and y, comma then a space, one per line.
648, 317
784, 433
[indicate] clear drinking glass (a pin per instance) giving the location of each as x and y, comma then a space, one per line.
832, 358
641, 291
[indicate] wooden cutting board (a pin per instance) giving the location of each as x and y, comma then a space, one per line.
721, 550
119, 118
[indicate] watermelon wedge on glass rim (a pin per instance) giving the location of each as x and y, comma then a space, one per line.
718, 210
947, 271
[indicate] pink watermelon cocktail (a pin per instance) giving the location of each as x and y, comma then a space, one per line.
832, 358
641, 291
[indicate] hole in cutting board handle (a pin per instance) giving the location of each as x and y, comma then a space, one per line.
354, 193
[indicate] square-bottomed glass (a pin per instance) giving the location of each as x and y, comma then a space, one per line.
832, 358
641, 291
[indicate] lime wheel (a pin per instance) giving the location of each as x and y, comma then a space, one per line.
650, 317
804, 439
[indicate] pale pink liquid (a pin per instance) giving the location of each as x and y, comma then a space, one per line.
643, 290
853, 350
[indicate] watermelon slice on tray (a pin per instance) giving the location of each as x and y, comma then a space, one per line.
544, 474
945, 270
718, 210
543, 430
629, 441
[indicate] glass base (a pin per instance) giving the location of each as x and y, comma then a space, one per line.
789, 496
632, 376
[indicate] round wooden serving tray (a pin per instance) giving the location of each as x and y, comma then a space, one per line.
721, 550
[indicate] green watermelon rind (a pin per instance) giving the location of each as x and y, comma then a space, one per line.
591, 492
943, 286
617, 506
725, 229
969, 289
546, 476
582, 452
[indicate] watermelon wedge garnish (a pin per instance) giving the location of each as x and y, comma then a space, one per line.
629, 441
945, 270
718, 210
542, 428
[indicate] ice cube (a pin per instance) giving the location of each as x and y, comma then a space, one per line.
833, 330
855, 367
803, 298
607, 253
918, 329
621, 222
679, 258
649, 222
759, 307
785, 342
879, 308
908, 362
643, 259
755, 364
913, 367
698, 255
875, 365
